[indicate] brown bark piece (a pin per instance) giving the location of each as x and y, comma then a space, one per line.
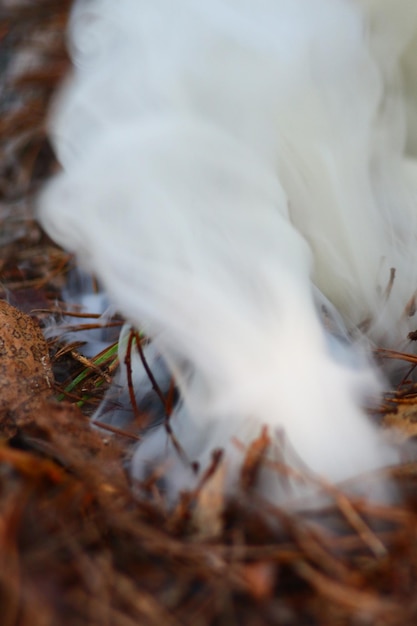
25, 369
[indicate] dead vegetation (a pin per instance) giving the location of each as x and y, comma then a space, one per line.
78, 546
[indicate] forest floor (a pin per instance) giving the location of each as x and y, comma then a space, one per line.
78, 545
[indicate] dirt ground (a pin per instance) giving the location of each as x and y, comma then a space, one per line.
78, 545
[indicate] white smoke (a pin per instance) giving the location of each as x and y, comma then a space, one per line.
228, 169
